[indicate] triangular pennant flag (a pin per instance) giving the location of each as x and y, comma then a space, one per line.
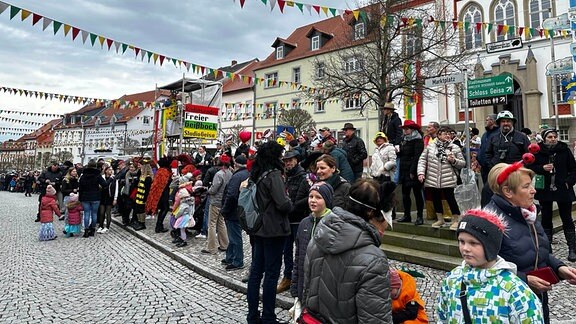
35, 19
101, 40
325, 10
3, 7
109, 43
174, 61
162, 57
356, 14
136, 51
56, 26
512, 30
272, 4
155, 56
84, 36
93, 38
505, 29
499, 29
520, 31
316, 8
333, 11
281, 4
478, 27
187, 65
67, 29
455, 24
117, 46
75, 32
25, 14
14, 11
264, 1
490, 28
46, 22
149, 55
300, 6
242, 3
124, 48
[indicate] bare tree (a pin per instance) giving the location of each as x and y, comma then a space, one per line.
300, 119
389, 58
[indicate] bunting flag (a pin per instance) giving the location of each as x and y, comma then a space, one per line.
24, 130
26, 113
20, 121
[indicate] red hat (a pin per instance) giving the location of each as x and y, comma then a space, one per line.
225, 159
245, 136
410, 124
196, 173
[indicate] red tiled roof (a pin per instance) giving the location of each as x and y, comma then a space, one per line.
282, 40
238, 84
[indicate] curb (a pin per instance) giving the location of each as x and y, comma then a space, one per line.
236, 285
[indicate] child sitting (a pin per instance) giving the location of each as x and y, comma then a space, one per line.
48, 207
485, 287
407, 306
74, 216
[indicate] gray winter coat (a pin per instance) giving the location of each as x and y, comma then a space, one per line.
440, 174
346, 273
216, 190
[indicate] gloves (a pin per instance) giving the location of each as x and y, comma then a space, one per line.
296, 310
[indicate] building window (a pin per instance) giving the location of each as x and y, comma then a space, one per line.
320, 70
73, 120
145, 120
472, 36
319, 105
296, 75
352, 102
563, 135
270, 109
295, 103
413, 41
271, 80
560, 92
504, 15
539, 11
315, 43
352, 64
279, 52
359, 31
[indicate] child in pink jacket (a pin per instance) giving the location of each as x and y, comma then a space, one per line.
48, 207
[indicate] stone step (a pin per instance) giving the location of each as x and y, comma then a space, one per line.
448, 247
428, 259
425, 230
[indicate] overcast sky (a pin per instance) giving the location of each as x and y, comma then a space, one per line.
206, 32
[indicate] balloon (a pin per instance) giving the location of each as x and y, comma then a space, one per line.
533, 148
528, 158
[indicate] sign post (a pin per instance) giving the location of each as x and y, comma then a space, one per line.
490, 91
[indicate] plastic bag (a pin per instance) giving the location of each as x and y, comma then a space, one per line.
467, 194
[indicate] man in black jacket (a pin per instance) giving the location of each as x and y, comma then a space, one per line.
52, 175
507, 146
295, 175
391, 124
355, 150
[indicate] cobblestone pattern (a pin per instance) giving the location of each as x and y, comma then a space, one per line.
113, 277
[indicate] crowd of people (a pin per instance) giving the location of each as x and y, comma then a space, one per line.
324, 219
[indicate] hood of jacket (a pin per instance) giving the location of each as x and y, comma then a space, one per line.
342, 231
476, 277
91, 171
547, 150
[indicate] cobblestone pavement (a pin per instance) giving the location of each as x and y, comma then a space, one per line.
117, 277
113, 277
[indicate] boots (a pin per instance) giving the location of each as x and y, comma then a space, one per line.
571, 240
455, 220
549, 232
419, 220
92, 231
284, 285
440, 221
406, 218
86, 233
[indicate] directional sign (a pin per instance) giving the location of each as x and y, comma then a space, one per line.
504, 45
561, 66
500, 100
496, 86
444, 80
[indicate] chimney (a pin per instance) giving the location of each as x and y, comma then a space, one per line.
234, 62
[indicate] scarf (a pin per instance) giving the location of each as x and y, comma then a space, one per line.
529, 214
161, 180
441, 148
412, 136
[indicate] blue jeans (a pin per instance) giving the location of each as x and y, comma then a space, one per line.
204, 229
266, 262
90, 213
235, 250
289, 251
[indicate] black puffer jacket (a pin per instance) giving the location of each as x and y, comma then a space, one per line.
346, 273
355, 152
565, 172
506, 148
411, 148
294, 178
341, 188
275, 204
306, 229
90, 184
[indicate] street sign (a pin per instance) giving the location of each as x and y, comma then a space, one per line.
496, 86
504, 45
500, 100
561, 66
444, 80
557, 23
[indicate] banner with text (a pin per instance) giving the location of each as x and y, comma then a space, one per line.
200, 121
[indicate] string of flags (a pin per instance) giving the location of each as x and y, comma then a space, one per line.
121, 48
18, 130
20, 121
26, 113
501, 29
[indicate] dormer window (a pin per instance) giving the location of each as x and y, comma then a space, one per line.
73, 120
279, 52
315, 43
359, 31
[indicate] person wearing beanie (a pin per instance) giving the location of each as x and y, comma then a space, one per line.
489, 283
407, 305
74, 207
320, 202
48, 206
183, 217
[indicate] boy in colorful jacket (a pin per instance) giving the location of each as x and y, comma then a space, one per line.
491, 290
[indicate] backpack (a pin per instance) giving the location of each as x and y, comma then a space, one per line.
247, 210
377, 166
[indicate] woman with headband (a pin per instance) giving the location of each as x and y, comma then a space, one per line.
346, 273
525, 243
